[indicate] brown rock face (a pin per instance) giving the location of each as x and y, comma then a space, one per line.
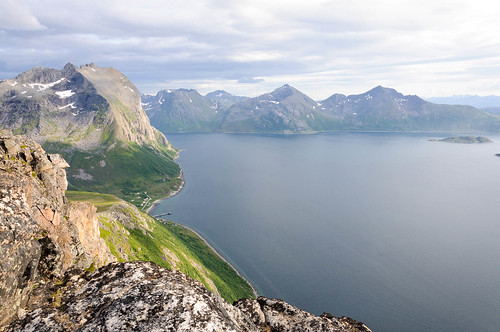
40, 232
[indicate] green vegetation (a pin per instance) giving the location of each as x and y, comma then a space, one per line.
133, 235
101, 201
464, 139
135, 173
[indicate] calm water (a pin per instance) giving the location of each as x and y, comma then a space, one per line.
390, 229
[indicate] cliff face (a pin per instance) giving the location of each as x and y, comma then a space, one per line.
85, 107
49, 249
40, 232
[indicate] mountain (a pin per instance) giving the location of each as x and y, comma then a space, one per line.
180, 110
386, 109
94, 118
59, 270
224, 99
284, 110
287, 110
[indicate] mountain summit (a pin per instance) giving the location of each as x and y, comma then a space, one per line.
285, 109
94, 118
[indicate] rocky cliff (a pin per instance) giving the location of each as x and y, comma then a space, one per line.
82, 106
50, 249
41, 234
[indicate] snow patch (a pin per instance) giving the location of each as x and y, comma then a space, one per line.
13, 84
270, 101
64, 94
42, 86
24, 92
72, 105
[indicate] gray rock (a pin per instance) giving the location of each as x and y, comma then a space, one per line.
141, 296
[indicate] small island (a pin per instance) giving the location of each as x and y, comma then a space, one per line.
463, 139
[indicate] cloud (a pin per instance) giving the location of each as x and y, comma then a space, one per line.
17, 15
321, 47
250, 80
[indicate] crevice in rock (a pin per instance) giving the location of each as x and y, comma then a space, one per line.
43, 215
50, 258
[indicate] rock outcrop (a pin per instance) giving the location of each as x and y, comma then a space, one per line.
141, 296
40, 232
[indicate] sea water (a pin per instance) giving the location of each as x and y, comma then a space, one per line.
388, 228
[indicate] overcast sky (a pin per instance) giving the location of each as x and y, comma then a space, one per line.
428, 48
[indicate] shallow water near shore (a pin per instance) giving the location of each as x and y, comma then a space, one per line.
388, 228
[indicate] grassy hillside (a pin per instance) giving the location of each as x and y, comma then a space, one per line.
132, 172
133, 235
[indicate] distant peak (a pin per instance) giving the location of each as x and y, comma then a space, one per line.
380, 89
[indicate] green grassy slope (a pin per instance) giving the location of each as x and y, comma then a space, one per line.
132, 172
133, 235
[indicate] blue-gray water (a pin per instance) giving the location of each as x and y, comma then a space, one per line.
388, 228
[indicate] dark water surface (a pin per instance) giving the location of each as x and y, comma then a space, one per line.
388, 228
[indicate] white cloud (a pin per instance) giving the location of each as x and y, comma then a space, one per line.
320, 46
17, 15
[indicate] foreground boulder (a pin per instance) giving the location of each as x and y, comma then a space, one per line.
141, 296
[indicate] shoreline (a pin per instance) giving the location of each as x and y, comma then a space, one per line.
172, 194
254, 290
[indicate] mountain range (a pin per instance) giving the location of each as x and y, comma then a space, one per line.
287, 110
94, 118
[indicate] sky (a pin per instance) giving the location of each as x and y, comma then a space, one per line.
430, 48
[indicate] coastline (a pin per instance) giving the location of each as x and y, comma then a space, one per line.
255, 293
254, 290
172, 194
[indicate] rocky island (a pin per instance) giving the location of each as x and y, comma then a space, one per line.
463, 139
